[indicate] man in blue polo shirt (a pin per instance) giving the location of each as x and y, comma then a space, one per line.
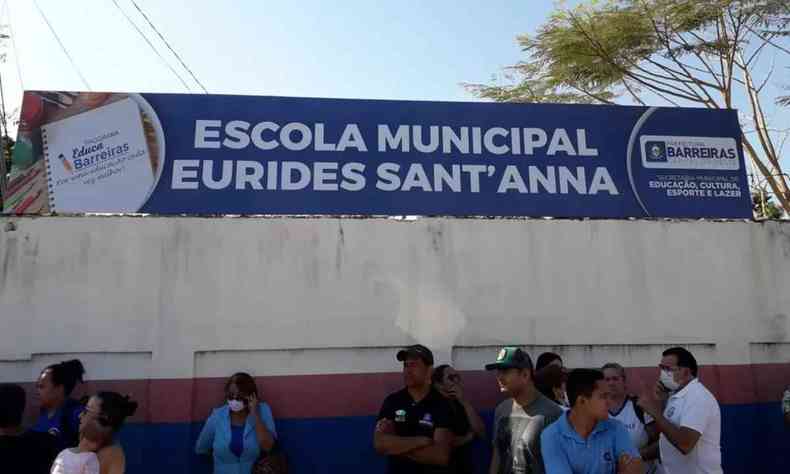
584, 440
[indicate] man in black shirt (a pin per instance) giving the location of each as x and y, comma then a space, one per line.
413, 428
31, 453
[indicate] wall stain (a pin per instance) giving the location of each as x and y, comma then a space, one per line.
436, 233
9, 258
31, 248
341, 243
777, 325
85, 249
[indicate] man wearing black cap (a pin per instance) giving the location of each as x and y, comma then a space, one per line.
519, 420
413, 428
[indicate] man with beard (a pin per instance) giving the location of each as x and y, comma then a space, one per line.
519, 420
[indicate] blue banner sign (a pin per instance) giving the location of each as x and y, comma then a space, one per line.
213, 154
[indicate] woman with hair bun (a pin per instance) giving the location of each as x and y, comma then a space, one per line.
109, 410
60, 413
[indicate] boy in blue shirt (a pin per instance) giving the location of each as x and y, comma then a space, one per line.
584, 440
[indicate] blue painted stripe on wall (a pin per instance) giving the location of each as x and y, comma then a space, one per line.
754, 439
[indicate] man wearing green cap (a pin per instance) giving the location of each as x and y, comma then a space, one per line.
519, 420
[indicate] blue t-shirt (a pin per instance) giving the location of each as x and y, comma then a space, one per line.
216, 438
69, 413
566, 452
236, 439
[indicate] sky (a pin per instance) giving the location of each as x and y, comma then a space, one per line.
355, 49
410, 49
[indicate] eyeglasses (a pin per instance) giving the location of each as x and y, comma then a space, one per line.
237, 396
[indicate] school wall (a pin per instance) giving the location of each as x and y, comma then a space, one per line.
166, 308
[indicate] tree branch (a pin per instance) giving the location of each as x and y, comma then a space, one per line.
756, 53
633, 94
767, 76
767, 40
760, 123
778, 190
592, 95
604, 55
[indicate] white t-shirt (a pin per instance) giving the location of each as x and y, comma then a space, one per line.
696, 408
634, 426
636, 430
72, 462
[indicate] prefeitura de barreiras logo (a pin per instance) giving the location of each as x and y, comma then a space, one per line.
656, 152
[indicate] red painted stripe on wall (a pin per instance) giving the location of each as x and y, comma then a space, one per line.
341, 395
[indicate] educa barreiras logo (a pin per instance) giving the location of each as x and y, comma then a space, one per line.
97, 153
690, 153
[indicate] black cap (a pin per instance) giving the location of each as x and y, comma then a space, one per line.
509, 358
417, 350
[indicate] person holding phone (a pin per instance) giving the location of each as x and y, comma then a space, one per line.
465, 422
240, 430
689, 422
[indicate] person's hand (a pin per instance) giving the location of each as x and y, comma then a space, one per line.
650, 403
456, 392
628, 465
661, 392
252, 404
385, 426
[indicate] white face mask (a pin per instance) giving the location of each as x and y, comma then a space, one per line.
236, 405
668, 380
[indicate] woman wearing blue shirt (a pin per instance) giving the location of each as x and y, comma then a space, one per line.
60, 414
237, 432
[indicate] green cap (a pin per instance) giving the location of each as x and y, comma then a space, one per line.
511, 357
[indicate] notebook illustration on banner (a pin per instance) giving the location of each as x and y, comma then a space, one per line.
98, 161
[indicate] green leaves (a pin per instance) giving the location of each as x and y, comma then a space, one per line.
682, 52
600, 50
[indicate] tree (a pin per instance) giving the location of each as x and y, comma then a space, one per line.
679, 52
763, 205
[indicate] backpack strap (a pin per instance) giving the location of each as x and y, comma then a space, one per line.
640, 413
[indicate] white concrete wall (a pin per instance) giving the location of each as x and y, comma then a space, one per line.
185, 297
